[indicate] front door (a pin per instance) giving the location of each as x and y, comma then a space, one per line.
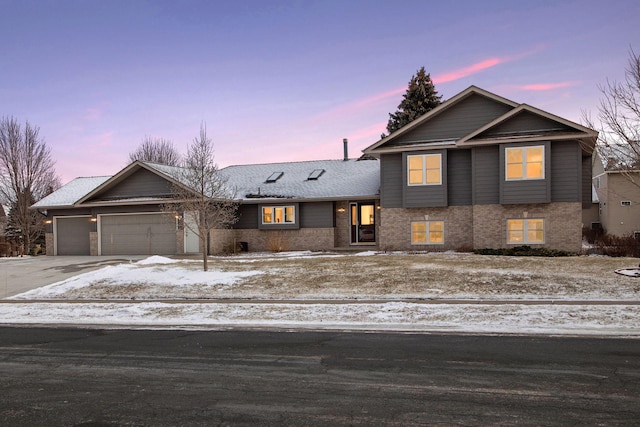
363, 225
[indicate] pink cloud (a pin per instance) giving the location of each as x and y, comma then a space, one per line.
467, 71
547, 86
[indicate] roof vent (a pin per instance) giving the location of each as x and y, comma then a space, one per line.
315, 174
274, 177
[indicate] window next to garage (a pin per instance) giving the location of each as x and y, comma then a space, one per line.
279, 216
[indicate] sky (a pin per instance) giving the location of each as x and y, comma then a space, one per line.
279, 81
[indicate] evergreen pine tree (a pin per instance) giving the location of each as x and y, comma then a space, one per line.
421, 97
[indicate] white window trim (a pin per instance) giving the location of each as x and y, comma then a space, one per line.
424, 169
525, 240
284, 213
524, 163
428, 222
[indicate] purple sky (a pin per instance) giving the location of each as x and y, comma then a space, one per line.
286, 80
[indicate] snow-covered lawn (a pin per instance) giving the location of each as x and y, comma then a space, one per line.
364, 291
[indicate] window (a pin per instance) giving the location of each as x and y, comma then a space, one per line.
625, 203
278, 215
315, 174
427, 232
524, 163
520, 231
274, 177
424, 169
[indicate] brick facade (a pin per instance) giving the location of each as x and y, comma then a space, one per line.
483, 226
312, 239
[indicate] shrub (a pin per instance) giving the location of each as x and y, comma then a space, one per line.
618, 246
522, 251
277, 242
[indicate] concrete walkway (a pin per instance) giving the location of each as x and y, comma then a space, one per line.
18, 275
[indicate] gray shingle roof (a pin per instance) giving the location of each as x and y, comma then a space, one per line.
340, 180
71, 192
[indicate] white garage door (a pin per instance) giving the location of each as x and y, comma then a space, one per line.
72, 235
137, 234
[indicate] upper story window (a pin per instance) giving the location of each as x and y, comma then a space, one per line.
524, 163
278, 215
424, 169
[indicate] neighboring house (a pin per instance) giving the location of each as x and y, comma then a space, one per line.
619, 199
479, 171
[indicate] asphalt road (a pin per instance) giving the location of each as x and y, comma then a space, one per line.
74, 377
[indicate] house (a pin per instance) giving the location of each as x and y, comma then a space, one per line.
481, 171
478, 171
618, 191
315, 205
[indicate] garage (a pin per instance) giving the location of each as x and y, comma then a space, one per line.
72, 235
137, 234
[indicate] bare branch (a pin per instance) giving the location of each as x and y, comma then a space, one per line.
202, 193
156, 150
26, 175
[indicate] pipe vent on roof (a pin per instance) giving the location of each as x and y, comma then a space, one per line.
345, 144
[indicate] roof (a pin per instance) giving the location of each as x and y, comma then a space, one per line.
573, 130
320, 179
70, 193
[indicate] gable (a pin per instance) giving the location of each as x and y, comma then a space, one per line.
141, 183
525, 123
452, 123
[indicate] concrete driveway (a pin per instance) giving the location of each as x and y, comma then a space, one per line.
18, 275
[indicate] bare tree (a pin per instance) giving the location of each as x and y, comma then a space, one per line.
202, 193
619, 114
26, 175
156, 150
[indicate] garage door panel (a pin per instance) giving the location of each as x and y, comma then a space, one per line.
72, 236
138, 234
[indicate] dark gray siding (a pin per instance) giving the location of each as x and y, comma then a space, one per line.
486, 175
566, 176
418, 196
526, 191
586, 182
391, 180
525, 123
248, 217
141, 183
459, 177
316, 215
463, 118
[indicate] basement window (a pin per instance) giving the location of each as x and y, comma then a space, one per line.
625, 203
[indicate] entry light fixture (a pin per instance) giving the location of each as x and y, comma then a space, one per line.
342, 210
